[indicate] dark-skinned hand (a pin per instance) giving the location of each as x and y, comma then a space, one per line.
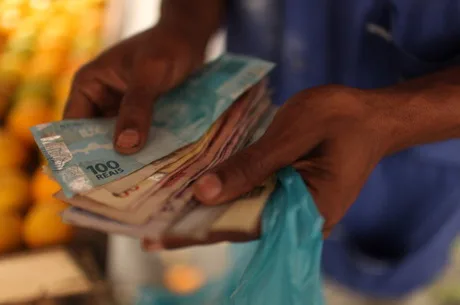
332, 135
126, 80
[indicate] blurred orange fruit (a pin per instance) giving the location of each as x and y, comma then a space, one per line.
10, 18
12, 153
35, 90
57, 34
58, 111
86, 45
25, 115
12, 65
40, 5
14, 190
9, 82
62, 88
94, 20
4, 103
43, 187
10, 232
43, 225
45, 65
22, 39
183, 279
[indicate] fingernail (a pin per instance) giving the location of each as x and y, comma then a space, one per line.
208, 187
128, 138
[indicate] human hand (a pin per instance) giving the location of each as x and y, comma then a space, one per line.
332, 135
126, 79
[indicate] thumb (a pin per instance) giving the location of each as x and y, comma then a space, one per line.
236, 176
134, 119
136, 108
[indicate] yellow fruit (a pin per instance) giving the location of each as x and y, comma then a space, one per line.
79, 6
57, 34
43, 187
10, 232
45, 65
34, 90
12, 152
21, 41
86, 45
40, 5
25, 115
43, 225
9, 19
14, 190
94, 20
8, 83
4, 103
58, 111
12, 65
62, 88
183, 279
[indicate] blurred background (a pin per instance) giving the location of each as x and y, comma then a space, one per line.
42, 260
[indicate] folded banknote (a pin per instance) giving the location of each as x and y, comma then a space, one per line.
188, 220
152, 194
80, 153
214, 114
180, 218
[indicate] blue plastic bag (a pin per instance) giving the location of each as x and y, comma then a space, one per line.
282, 268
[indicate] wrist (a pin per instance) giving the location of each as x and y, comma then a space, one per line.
197, 34
195, 39
194, 21
416, 113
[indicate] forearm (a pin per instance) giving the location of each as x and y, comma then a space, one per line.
198, 18
420, 111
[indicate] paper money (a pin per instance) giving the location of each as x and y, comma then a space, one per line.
145, 206
128, 197
80, 152
125, 199
145, 187
177, 207
212, 115
241, 215
247, 209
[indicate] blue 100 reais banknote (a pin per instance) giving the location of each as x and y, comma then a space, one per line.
80, 153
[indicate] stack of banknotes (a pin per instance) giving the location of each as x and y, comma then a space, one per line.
213, 114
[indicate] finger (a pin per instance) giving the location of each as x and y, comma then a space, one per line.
79, 106
289, 136
136, 109
91, 95
239, 174
134, 120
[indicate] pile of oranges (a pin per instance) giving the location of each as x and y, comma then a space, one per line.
42, 44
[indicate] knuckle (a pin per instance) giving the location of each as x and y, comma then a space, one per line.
249, 166
137, 103
134, 112
84, 73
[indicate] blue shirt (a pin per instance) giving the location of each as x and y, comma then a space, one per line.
397, 235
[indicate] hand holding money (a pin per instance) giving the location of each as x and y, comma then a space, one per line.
329, 134
203, 121
125, 81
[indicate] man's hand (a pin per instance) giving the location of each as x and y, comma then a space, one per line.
334, 136
330, 135
126, 79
